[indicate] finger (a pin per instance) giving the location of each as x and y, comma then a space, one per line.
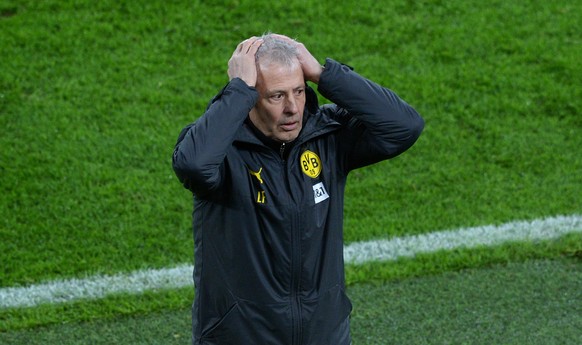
250, 43
244, 45
254, 46
240, 46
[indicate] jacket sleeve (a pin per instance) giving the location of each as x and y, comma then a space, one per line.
201, 149
380, 125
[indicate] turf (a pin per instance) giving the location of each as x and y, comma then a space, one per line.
94, 94
534, 302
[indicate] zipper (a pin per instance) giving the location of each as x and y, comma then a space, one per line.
296, 318
296, 280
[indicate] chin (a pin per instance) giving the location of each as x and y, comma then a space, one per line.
289, 137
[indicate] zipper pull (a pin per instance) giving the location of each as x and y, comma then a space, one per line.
282, 150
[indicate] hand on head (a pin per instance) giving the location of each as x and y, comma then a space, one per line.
311, 67
242, 63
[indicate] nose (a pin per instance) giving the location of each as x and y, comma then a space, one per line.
291, 105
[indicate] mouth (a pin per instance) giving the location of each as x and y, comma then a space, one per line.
289, 126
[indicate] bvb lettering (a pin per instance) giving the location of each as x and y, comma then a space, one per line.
311, 164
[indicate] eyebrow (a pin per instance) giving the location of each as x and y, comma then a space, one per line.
272, 92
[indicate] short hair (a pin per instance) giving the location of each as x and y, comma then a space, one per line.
276, 50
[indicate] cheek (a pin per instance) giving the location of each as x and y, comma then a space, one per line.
268, 112
275, 114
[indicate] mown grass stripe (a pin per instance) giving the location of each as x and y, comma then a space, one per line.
95, 287
490, 235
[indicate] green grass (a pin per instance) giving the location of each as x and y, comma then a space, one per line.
374, 272
516, 303
94, 94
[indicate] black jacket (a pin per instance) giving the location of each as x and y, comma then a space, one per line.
268, 221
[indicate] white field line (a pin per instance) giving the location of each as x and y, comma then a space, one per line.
489, 235
96, 287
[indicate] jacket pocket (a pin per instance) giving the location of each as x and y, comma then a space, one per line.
248, 323
326, 319
222, 332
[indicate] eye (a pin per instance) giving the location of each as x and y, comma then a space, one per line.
277, 97
299, 92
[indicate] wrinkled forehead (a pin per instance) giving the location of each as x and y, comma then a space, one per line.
280, 77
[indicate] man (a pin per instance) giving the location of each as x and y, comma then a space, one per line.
267, 167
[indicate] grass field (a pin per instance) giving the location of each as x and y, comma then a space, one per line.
519, 303
94, 94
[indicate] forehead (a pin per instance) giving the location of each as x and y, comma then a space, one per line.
275, 77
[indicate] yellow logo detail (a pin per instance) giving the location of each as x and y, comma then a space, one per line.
310, 164
261, 197
257, 174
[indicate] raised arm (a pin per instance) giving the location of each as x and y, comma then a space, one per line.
202, 146
381, 124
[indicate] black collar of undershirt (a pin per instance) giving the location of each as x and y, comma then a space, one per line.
282, 148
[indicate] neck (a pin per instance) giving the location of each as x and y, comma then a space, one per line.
281, 147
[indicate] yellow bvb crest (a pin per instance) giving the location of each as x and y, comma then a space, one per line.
310, 164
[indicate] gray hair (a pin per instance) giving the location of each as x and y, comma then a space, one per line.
276, 50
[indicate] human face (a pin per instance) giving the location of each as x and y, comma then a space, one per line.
279, 111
